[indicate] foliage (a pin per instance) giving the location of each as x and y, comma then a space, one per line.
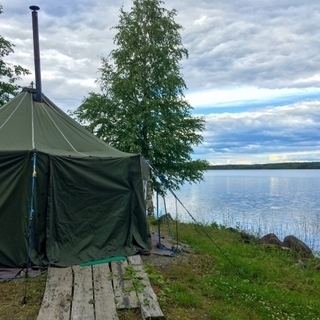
141, 107
253, 282
9, 73
281, 166
132, 274
229, 279
12, 294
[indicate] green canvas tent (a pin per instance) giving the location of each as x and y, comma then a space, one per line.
66, 197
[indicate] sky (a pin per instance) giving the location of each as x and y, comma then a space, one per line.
253, 70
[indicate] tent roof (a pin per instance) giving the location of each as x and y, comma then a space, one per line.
28, 125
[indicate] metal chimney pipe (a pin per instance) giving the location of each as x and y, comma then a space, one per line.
36, 50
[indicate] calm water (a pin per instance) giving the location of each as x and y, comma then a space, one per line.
259, 201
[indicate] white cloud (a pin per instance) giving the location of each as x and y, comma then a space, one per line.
201, 20
237, 96
288, 133
242, 54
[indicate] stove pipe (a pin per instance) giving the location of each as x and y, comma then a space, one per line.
36, 50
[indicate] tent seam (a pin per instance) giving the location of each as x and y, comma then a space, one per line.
32, 124
70, 144
13, 112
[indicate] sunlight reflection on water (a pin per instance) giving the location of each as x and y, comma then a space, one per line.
258, 201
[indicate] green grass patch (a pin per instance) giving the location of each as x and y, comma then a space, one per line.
223, 278
12, 296
227, 279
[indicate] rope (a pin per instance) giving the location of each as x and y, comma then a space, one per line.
167, 218
159, 236
31, 214
177, 229
166, 185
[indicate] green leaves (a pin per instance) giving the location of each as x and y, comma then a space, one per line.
9, 73
132, 274
142, 108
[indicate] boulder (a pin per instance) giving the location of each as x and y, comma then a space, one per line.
165, 218
298, 246
246, 237
271, 238
233, 230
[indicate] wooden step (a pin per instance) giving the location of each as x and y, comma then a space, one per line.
97, 292
150, 308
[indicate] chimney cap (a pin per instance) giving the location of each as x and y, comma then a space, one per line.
34, 8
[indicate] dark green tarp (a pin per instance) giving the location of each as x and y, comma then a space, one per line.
88, 198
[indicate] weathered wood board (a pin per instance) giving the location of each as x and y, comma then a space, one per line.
105, 308
150, 308
97, 292
135, 260
124, 291
83, 300
57, 298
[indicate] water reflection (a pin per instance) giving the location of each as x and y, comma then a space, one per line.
259, 201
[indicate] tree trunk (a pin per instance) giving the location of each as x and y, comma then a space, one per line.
149, 201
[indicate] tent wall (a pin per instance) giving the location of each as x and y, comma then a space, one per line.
15, 173
140, 169
85, 209
88, 197
91, 205
39, 236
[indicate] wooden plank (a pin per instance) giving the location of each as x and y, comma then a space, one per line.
82, 302
56, 301
135, 260
150, 308
103, 293
124, 291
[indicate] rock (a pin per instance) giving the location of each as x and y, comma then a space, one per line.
233, 230
245, 237
298, 246
285, 249
301, 264
165, 218
271, 238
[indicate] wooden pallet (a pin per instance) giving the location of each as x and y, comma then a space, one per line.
98, 292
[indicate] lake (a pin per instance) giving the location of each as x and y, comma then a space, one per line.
283, 202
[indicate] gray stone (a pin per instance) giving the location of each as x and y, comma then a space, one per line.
297, 246
271, 238
165, 218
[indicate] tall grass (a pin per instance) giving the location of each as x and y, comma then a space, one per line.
226, 279
305, 227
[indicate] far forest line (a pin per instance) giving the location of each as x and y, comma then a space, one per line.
285, 165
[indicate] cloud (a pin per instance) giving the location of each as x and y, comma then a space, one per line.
247, 96
267, 45
271, 134
252, 66
264, 45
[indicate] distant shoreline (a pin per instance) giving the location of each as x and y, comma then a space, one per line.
285, 165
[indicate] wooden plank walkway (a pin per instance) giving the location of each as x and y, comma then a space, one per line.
98, 292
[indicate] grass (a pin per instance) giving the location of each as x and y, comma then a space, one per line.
220, 279
227, 279
12, 296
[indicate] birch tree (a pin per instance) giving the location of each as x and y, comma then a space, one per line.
142, 107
